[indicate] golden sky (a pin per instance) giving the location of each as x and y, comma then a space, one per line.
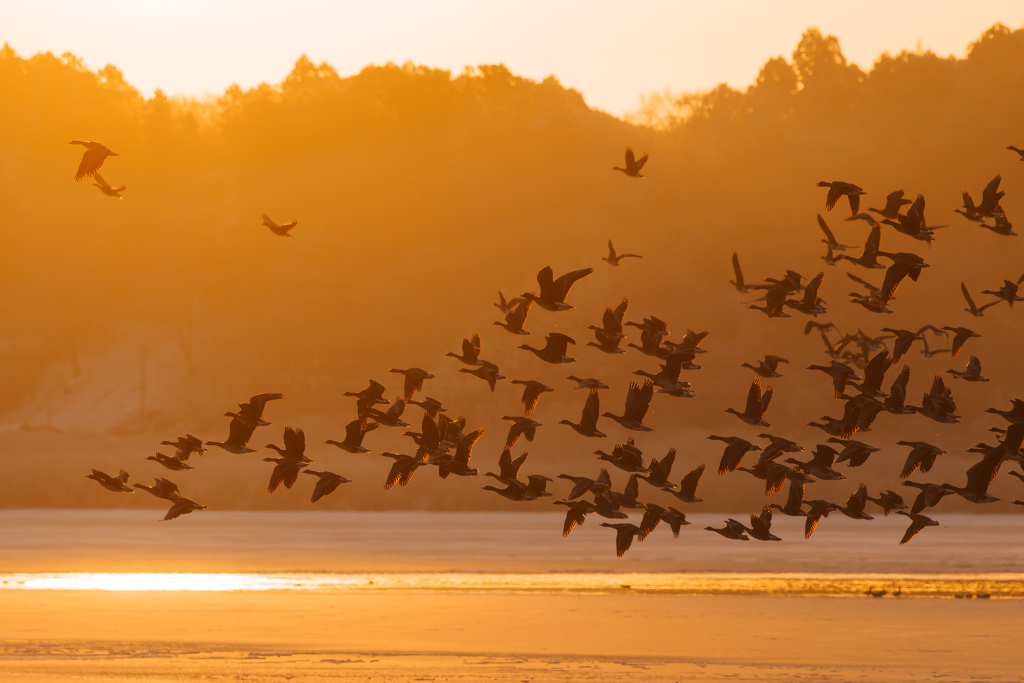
613, 52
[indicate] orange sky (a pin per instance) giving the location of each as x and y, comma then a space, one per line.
613, 52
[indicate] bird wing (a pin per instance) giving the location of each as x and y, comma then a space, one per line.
638, 400
546, 280
754, 398
640, 163
623, 533
893, 277
239, 432
828, 233
796, 496
916, 525
611, 251
874, 240
591, 411
100, 181
565, 282
981, 474
689, 483
870, 287
294, 441
736, 269
631, 161
517, 318
811, 291
464, 451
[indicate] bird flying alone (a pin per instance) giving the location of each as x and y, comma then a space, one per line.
92, 160
279, 230
633, 165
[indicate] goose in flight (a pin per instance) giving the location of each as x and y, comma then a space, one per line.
294, 446
279, 230
917, 523
106, 189
391, 418
990, 198
1001, 225
521, 426
613, 258
328, 482
687, 489
624, 532
766, 368
368, 397
972, 373
239, 433
929, 497
1008, 292
611, 325
588, 383
470, 351
841, 374
402, 470
732, 530
889, 501
508, 469
845, 427
735, 449
487, 373
531, 393
354, 433
922, 456
774, 302
507, 306
837, 189
894, 201
173, 463
904, 340
627, 457
938, 403
1015, 415
811, 303
186, 445
757, 405
855, 504
518, 492
816, 509
431, 406
979, 478
93, 158
738, 283
552, 291
118, 484
286, 471
414, 378
830, 239
458, 464
633, 165
903, 265
655, 513
162, 488
638, 400
516, 318
582, 485
761, 526
896, 401
587, 426
794, 501
574, 516
554, 350
960, 337
251, 413
854, 452
869, 256
658, 472
820, 465
182, 506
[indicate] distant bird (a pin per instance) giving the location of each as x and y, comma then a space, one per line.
632, 165
587, 426
837, 189
508, 468
402, 470
251, 413
757, 405
1015, 415
431, 406
354, 433
961, 335
515, 320
738, 283
841, 375
624, 533
582, 485
286, 471
845, 427
768, 367
869, 256
574, 516
774, 303
811, 303
609, 335
175, 464
972, 373
732, 530
761, 525
917, 523
487, 373
186, 446
893, 202
239, 433
507, 306
182, 506
613, 258
1007, 293
552, 291
904, 340
830, 239
329, 481
368, 397
816, 509
889, 501
279, 230
554, 350
820, 465
976, 311
855, 504
521, 426
627, 457
1001, 225
1017, 150
854, 452
392, 417
638, 400
930, 495
794, 501
531, 393
990, 198
118, 484
162, 488
655, 513
105, 187
735, 449
687, 489
904, 265
294, 446
414, 378
658, 472
458, 464
979, 478
922, 455
470, 351
93, 158
589, 383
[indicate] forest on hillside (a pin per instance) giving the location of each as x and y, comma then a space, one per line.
420, 194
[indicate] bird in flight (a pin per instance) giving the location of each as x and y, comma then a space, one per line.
92, 160
279, 230
613, 259
632, 165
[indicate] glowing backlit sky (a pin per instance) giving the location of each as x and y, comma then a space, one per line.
611, 51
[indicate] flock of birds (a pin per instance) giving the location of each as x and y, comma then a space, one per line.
858, 363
